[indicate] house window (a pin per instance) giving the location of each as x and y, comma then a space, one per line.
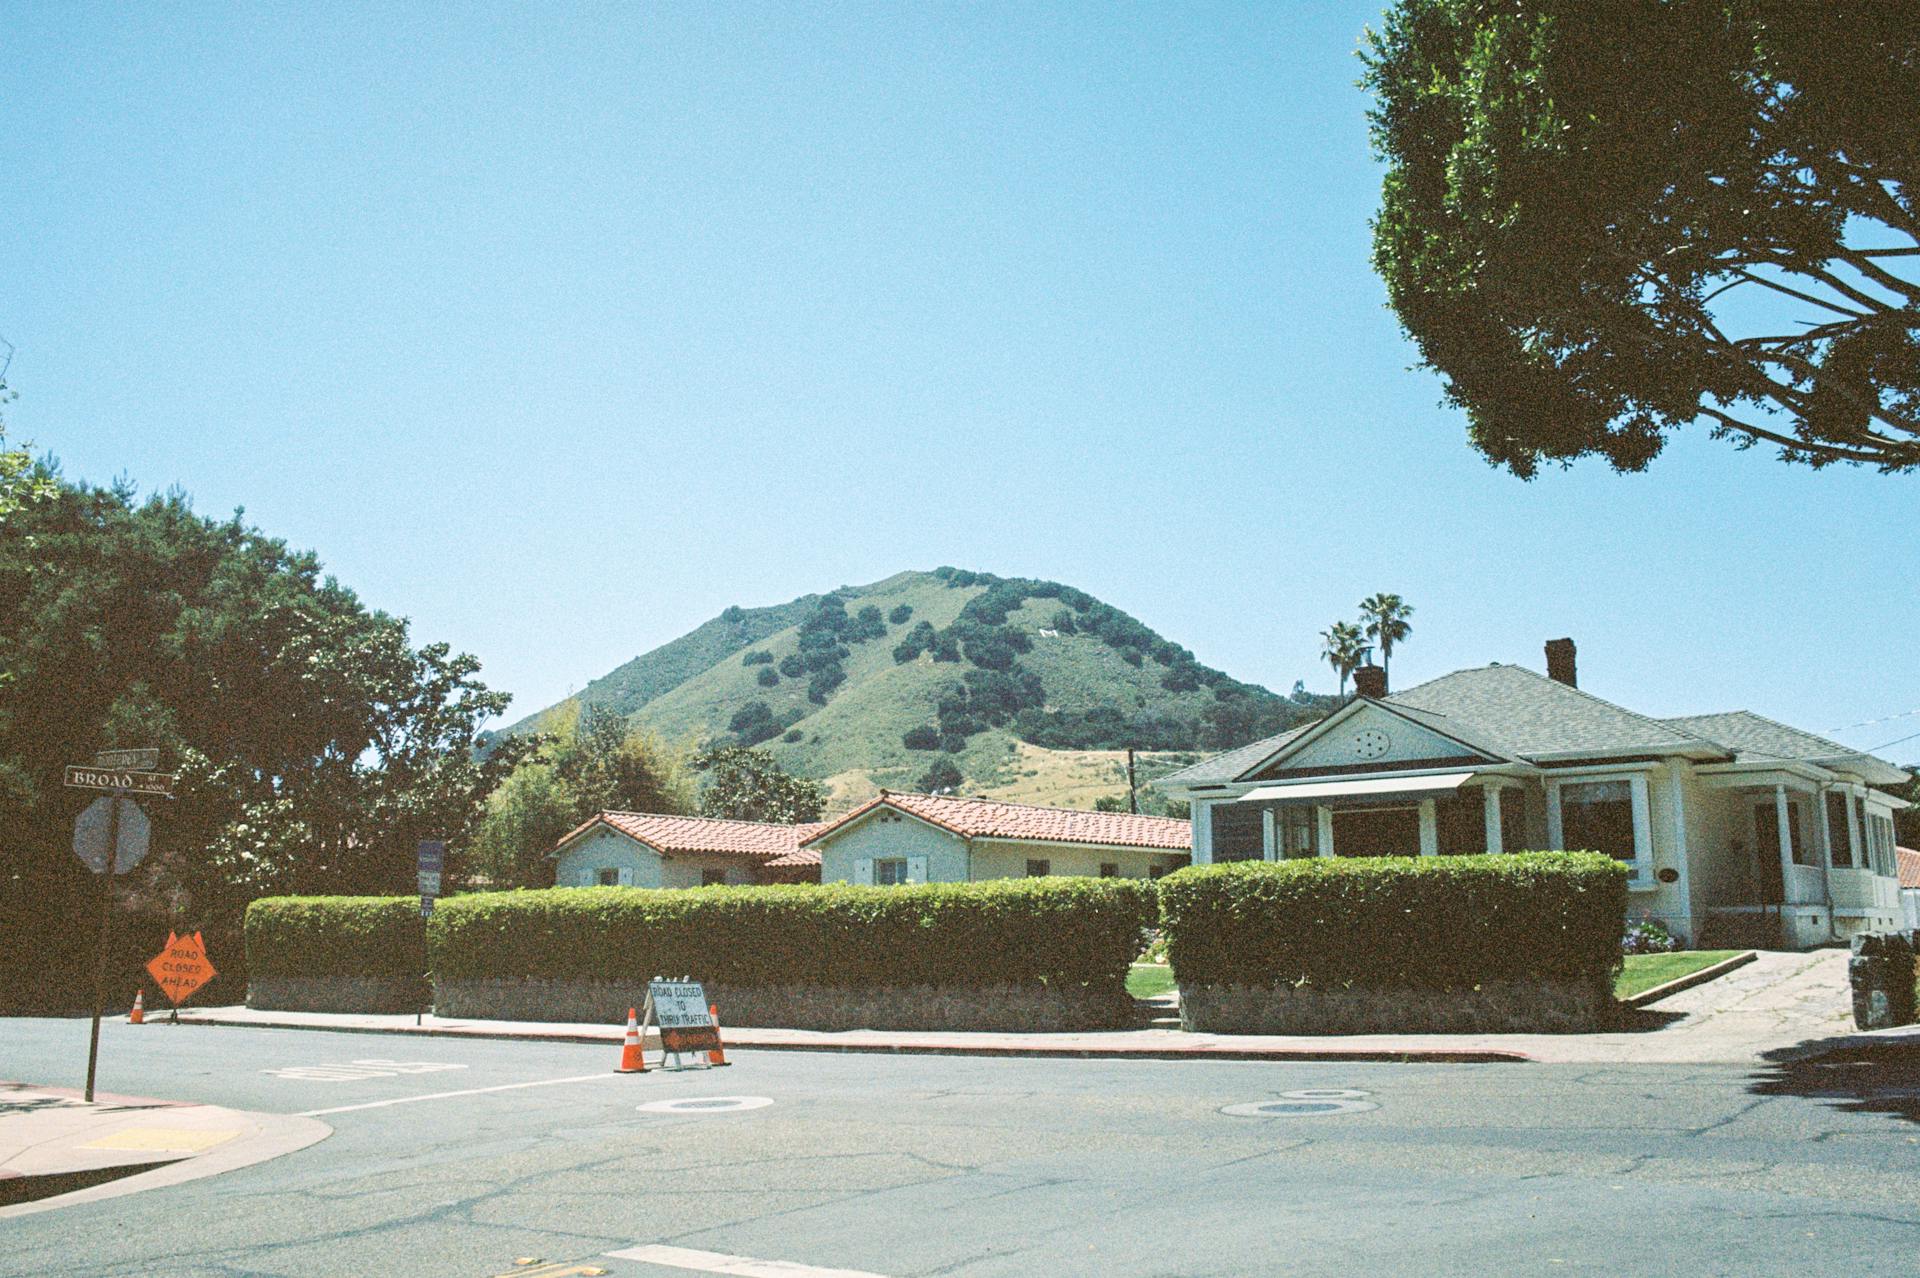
1597, 816
713, 878
1880, 845
1839, 833
1376, 832
1108, 870
1513, 819
1037, 869
891, 872
1299, 826
1237, 833
1156, 871
609, 877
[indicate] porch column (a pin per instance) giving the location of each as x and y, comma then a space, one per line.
1824, 831
1855, 844
1554, 839
1492, 793
1269, 848
1202, 816
1323, 817
1429, 829
1785, 825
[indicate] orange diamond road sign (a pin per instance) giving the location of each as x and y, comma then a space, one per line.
181, 968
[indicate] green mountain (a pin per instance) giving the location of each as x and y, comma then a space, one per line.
1001, 678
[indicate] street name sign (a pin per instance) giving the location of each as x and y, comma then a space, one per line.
181, 968
139, 760
124, 780
431, 857
94, 835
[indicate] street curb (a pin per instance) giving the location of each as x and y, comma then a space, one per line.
1437, 1056
1690, 980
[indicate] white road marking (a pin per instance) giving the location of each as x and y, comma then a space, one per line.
370, 1067
471, 1091
713, 1262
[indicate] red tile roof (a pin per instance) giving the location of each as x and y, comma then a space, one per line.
1909, 867
994, 819
763, 841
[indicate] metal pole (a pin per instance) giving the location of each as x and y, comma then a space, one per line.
1133, 792
106, 927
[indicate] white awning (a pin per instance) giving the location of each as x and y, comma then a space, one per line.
1353, 789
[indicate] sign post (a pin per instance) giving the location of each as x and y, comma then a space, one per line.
430, 861
111, 772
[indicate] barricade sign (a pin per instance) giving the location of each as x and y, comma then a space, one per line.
181, 968
679, 1008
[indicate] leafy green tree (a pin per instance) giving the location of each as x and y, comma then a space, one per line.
943, 775
747, 785
1341, 646
1602, 222
1385, 619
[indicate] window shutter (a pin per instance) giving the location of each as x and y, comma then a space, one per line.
916, 869
863, 871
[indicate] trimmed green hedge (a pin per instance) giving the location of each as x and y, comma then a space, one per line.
1426, 923
1056, 932
365, 936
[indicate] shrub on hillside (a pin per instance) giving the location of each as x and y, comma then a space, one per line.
758, 657
941, 776
793, 665
901, 614
769, 677
376, 937
924, 737
1416, 923
1054, 932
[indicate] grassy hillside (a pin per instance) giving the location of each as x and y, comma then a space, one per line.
1026, 687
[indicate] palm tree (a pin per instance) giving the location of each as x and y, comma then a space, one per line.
1344, 648
1386, 621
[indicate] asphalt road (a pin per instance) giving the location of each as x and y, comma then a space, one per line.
942, 1165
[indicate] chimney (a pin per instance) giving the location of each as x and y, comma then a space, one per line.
1560, 662
1370, 681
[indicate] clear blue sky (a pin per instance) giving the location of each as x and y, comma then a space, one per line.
558, 330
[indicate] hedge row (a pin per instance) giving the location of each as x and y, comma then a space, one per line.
1427, 923
1049, 932
363, 936
1415, 923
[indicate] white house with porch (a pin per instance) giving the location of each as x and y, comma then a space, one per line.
1734, 827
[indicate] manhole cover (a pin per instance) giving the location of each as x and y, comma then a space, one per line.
1306, 1102
706, 1105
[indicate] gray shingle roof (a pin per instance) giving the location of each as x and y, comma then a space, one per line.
1537, 716
1225, 767
1753, 736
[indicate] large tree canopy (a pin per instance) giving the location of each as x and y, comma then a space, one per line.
1601, 222
315, 744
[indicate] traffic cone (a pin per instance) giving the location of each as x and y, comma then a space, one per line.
138, 1016
632, 1059
716, 1056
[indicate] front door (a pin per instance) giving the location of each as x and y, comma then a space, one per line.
1766, 854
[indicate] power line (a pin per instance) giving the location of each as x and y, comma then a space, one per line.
1896, 741
1868, 723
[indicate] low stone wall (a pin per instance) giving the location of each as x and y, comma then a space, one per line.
1004, 1008
1882, 974
1508, 1007
335, 994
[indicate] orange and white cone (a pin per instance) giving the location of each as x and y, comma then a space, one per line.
716, 1055
138, 1016
632, 1059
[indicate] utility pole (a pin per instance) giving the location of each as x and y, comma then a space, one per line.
1133, 795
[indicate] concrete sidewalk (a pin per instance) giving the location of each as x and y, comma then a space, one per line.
1759, 1013
57, 1150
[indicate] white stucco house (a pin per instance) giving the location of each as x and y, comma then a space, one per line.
1734, 827
936, 838
644, 849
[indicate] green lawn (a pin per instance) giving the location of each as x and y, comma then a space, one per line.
1644, 971
1144, 980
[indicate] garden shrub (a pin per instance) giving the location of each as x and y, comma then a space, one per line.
1415, 923
1054, 932
378, 937
1644, 936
